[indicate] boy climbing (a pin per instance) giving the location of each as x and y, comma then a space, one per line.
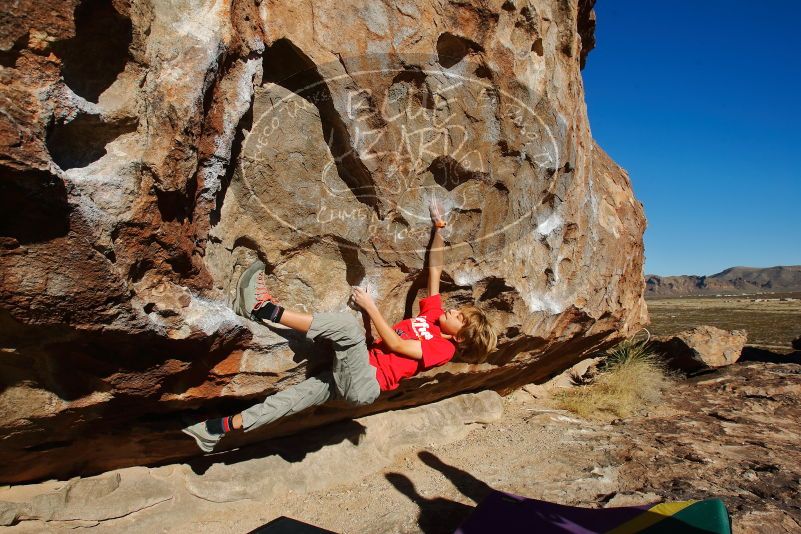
359, 373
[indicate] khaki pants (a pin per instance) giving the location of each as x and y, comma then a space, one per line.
352, 377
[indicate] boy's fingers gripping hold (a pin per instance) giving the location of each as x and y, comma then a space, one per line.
435, 209
361, 297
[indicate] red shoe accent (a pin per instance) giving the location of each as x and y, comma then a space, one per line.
263, 295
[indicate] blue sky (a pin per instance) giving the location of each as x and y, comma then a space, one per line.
700, 103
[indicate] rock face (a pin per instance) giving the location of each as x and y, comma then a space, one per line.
701, 347
149, 152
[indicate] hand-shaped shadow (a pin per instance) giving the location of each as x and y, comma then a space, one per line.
439, 514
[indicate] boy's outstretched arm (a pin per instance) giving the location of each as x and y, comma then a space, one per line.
436, 252
411, 348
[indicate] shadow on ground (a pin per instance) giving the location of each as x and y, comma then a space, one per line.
293, 448
756, 354
287, 525
439, 514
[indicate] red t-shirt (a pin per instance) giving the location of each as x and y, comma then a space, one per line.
436, 349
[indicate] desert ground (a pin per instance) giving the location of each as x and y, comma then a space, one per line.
731, 433
772, 320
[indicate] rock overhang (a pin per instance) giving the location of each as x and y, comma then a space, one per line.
179, 185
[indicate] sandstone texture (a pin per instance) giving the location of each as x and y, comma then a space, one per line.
580, 373
701, 347
149, 151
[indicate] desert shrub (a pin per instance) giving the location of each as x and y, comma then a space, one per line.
631, 379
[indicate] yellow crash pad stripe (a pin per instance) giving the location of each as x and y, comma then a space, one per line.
652, 516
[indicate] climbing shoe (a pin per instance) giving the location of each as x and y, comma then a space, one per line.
205, 439
246, 299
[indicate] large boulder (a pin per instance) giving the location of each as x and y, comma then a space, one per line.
701, 347
149, 151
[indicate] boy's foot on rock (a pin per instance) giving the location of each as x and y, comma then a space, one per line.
205, 439
246, 291
263, 295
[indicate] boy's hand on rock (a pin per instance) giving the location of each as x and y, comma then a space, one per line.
362, 298
435, 209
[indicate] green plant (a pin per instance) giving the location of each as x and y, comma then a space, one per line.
631, 378
630, 352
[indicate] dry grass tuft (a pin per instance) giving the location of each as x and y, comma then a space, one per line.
632, 379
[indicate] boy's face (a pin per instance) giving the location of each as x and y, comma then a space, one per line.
451, 321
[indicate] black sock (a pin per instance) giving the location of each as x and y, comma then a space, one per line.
220, 425
270, 312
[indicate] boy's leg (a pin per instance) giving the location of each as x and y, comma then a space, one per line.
296, 320
354, 377
311, 392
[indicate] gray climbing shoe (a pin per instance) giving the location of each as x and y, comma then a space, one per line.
205, 439
246, 291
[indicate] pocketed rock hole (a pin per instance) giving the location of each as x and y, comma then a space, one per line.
415, 78
83, 141
93, 59
538, 48
286, 65
451, 49
450, 174
34, 206
8, 58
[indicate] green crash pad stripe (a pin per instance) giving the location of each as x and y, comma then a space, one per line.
674, 517
703, 516
652, 516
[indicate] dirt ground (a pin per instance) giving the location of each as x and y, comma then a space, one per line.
733, 434
533, 450
772, 319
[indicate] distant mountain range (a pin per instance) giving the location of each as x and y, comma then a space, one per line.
732, 280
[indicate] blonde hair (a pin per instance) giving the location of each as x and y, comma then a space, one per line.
477, 338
